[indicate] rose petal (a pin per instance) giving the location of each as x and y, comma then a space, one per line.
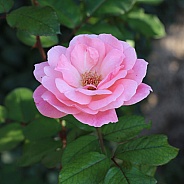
39, 70
54, 55
83, 58
69, 72
142, 92
112, 60
138, 72
99, 119
54, 102
44, 107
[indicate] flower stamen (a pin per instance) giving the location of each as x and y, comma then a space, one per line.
90, 79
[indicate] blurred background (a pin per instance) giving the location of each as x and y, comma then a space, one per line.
164, 107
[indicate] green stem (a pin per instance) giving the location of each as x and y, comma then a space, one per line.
101, 140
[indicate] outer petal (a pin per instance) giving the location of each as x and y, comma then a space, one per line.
138, 72
130, 57
53, 101
54, 55
39, 71
142, 92
44, 107
99, 119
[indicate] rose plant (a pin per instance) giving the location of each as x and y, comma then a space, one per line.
75, 130
89, 79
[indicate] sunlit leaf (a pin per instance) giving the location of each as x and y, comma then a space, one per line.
20, 105
10, 136
89, 168
30, 40
38, 21
3, 114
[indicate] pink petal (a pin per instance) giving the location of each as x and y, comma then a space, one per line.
99, 119
71, 93
69, 72
110, 42
138, 72
51, 72
54, 102
130, 57
39, 71
54, 55
94, 92
112, 60
83, 58
142, 92
44, 107
110, 79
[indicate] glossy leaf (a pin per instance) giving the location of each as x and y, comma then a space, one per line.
153, 2
20, 105
41, 127
67, 11
124, 176
10, 136
34, 151
115, 7
38, 21
147, 24
3, 114
89, 168
150, 150
30, 40
127, 128
5, 5
81, 145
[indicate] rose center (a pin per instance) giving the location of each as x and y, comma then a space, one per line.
90, 78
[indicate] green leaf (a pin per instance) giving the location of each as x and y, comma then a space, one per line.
101, 27
71, 120
5, 5
67, 11
115, 7
38, 21
34, 151
30, 40
148, 25
89, 168
150, 150
41, 128
152, 2
127, 128
81, 145
124, 176
3, 114
92, 6
20, 105
10, 136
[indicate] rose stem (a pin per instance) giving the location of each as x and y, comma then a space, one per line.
101, 140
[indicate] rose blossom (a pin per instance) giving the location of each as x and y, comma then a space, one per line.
89, 79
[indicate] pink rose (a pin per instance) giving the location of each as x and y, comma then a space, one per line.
89, 79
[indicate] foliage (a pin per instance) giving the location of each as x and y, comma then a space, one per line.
126, 156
